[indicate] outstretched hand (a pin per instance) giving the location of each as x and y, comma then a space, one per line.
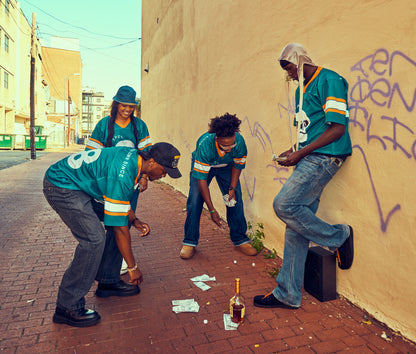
215, 217
136, 277
142, 227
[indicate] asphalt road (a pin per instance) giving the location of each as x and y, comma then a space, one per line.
10, 158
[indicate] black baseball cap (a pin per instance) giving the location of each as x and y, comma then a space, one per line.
167, 155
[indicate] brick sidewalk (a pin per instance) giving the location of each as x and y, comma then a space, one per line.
36, 247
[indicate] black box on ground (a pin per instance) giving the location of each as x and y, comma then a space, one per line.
320, 274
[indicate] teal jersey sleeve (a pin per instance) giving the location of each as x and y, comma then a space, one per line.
334, 100
109, 174
99, 135
208, 155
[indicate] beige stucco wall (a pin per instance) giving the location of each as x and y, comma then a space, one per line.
210, 57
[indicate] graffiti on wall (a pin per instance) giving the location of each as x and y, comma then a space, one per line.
376, 94
382, 98
263, 139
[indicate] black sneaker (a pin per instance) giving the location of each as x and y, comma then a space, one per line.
269, 301
116, 289
345, 253
79, 318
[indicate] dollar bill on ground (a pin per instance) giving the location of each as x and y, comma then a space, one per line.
199, 281
188, 305
203, 277
202, 285
228, 324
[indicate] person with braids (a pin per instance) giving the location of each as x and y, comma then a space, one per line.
122, 128
221, 153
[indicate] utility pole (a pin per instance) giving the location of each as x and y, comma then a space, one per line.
33, 53
69, 114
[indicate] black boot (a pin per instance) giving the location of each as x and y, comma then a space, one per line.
78, 318
116, 289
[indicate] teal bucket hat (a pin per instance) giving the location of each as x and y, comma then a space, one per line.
126, 95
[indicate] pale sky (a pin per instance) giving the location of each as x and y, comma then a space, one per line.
108, 33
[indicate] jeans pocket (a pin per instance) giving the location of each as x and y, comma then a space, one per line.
322, 171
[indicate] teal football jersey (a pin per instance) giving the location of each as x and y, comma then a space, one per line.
325, 101
208, 155
123, 136
109, 174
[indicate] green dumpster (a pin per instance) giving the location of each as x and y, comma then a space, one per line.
7, 141
40, 142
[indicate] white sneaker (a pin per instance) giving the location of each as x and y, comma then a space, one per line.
124, 267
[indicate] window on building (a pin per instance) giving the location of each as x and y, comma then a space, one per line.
98, 108
98, 100
6, 43
6, 80
6, 6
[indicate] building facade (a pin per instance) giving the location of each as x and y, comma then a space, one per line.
94, 108
62, 70
15, 49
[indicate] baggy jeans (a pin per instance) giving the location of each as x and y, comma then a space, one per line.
76, 210
296, 205
194, 204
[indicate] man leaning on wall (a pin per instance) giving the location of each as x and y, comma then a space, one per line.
323, 145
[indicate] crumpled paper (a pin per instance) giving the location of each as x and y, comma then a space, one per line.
203, 277
199, 281
228, 324
229, 203
188, 305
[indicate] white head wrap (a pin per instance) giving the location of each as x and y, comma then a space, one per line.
296, 54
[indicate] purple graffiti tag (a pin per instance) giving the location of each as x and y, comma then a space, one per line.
398, 53
383, 221
378, 88
414, 149
354, 110
396, 88
359, 65
394, 138
250, 193
259, 133
263, 138
282, 180
374, 137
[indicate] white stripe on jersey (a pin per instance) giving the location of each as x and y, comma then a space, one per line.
200, 167
94, 145
144, 143
240, 161
332, 104
116, 207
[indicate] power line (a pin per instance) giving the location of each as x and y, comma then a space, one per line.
79, 27
102, 48
73, 32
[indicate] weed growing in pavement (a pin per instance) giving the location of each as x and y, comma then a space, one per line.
273, 272
272, 254
256, 236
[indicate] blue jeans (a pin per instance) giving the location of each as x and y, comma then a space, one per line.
107, 272
296, 205
235, 215
76, 210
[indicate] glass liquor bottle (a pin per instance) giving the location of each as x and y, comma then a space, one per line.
237, 306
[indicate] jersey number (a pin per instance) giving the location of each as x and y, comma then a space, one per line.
76, 160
